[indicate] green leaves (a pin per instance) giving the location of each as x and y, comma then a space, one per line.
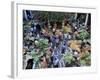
85, 59
35, 55
41, 43
51, 16
68, 57
83, 34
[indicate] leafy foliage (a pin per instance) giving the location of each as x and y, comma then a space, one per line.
68, 57
42, 44
83, 34
85, 59
51, 16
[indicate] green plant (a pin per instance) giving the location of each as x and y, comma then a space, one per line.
85, 59
41, 43
83, 34
68, 57
35, 55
